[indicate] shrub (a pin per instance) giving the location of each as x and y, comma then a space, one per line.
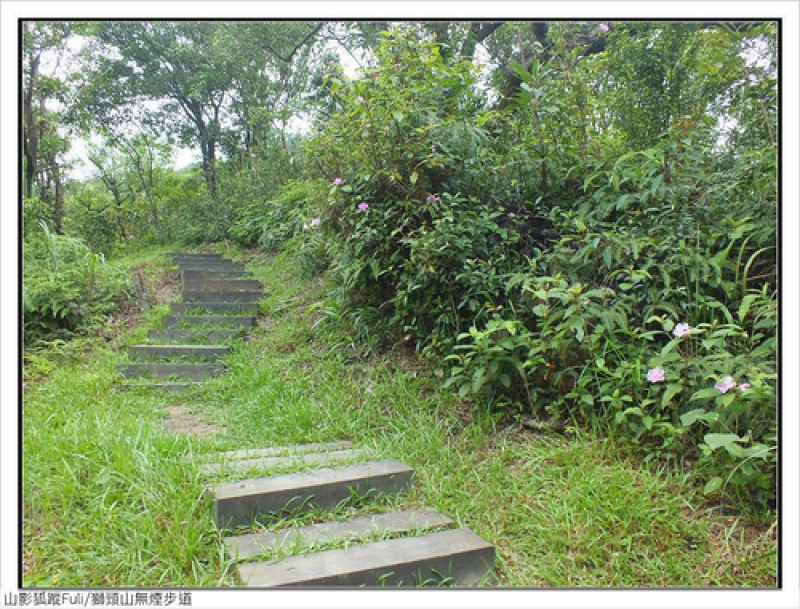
66, 286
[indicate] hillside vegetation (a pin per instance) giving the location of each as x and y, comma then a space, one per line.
569, 227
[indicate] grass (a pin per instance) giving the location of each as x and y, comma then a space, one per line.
111, 500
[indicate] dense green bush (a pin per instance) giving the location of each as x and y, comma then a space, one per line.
66, 287
559, 270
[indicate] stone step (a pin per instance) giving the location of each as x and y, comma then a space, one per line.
458, 556
192, 256
222, 285
191, 372
363, 528
276, 451
187, 336
240, 503
282, 462
183, 308
239, 321
210, 265
204, 275
205, 353
192, 296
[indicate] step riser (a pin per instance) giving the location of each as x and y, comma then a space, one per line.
155, 352
195, 265
363, 528
278, 451
194, 296
249, 308
213, 275
205, 336
458, 554
238, 504
193, 255
190, 372
223, 285
282, 462
171, 321
197, 258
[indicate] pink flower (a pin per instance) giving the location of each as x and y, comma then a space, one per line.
681, 330
744, 386
726, 385
315, 222
604, 27
337, 181
432, 199
655, 375
363, 206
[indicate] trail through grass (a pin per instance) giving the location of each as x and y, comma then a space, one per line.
110, 500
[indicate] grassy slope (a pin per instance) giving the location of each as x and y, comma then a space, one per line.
110, 500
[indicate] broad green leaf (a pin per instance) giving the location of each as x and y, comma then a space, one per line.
698, 415
708, 392
669, 392
712, 485
715, 440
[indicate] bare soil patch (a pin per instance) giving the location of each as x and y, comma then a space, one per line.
182, 420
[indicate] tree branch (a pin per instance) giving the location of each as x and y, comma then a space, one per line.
288, 58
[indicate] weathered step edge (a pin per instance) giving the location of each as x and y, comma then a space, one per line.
195, 352
195, 275
184, 308
243, 321
240, 503
275, 451
193, 296
191, 256
223, 285
282, 462
457, 556
210, 335
362, 528
209, 265
192, 372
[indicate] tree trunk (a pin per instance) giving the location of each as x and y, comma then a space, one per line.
58, 203
30, 129
208, 148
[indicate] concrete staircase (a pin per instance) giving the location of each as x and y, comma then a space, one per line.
406, 547
219, 304
258, 493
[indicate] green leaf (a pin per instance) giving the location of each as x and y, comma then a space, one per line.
540, 310
712, 485
709, 392
669, 392
698, 415
715, 440
744, 308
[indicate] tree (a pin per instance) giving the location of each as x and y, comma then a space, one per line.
43, 146
272, 69
177, 66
